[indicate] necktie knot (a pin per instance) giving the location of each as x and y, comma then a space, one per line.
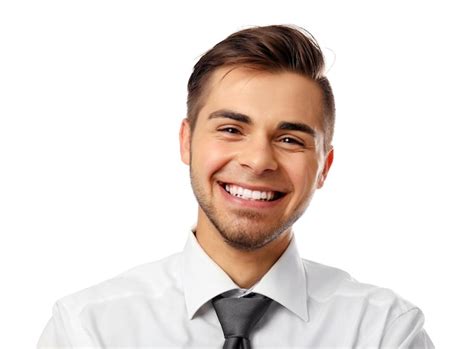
238, 316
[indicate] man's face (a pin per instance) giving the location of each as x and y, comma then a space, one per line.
255, 154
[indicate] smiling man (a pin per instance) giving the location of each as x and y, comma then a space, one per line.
257, 139
256, 156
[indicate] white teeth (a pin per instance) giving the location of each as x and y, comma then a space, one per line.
248, 194
256, 195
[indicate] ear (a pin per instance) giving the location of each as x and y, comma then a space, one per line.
327, 165
185, 141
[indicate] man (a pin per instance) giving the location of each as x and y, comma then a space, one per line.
257, 139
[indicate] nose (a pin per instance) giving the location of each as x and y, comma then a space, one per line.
258, 155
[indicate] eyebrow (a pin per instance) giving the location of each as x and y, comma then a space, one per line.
284, 125
223, 113
297, 126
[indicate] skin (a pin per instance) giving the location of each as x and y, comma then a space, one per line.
245, 135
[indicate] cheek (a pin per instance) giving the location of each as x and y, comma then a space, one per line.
303, 174
211, 156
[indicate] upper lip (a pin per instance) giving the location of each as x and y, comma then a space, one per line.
254, 187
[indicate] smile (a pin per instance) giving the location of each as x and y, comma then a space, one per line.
248, 194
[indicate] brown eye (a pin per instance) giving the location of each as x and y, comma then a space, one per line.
290, 140
231, 130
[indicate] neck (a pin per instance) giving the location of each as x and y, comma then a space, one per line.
245, 268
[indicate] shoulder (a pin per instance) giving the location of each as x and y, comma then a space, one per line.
141, 281
377, 314
79, 315
334, 286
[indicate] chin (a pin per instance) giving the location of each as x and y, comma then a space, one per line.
248, 237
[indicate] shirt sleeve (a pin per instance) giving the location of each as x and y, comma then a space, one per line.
54, 335
406, 332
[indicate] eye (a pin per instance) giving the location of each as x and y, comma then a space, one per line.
229, 129
291, 140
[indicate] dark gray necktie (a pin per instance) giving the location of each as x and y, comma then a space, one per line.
238, 316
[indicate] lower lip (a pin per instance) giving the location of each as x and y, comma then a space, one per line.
258, 204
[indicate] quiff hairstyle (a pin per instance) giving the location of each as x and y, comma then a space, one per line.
275, 48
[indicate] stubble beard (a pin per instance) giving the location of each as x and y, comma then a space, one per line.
243, 233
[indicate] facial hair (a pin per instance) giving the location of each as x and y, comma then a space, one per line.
236, 231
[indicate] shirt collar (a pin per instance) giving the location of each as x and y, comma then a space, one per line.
203, 279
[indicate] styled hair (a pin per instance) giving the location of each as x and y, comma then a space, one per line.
275, 48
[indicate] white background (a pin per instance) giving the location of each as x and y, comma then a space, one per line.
91, 97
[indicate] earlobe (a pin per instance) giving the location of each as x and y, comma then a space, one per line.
185, 141
327, 165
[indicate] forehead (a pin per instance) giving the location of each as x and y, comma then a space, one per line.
265, 96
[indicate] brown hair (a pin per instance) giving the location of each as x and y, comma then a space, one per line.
271, 48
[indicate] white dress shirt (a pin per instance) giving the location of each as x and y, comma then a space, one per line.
166, 304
